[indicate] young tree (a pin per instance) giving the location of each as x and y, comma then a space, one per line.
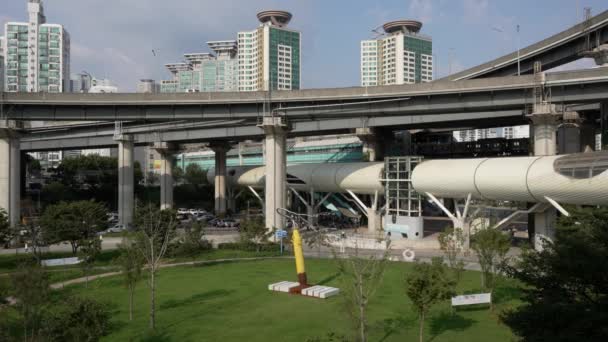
452, 242
427, 285
75, 222
566, 284
360, 279
31, 288
131, 263
32, 235
154, 231
6, 233
491, 247
192, 243
89, 251
254, 231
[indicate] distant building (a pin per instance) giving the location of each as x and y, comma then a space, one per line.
85, 82
148, 86
401, 56
270, 55
37, 54
205, 71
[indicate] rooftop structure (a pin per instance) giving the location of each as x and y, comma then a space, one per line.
403, 26
275, 17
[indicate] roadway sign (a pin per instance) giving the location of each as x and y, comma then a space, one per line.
281, 234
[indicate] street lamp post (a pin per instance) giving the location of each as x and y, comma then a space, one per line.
518, 44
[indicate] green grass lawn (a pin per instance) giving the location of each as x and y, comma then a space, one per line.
231, 302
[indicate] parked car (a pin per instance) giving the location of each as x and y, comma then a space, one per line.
230, 223
117, 228
182, 211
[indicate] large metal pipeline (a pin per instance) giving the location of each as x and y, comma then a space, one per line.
360, 178
580, 178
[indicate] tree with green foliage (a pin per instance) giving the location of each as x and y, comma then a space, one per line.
192, 243
360, 279
31, 289
131, 263
254, 230
491, 247
195, 175
6, 232
89, 251
566, 284
427, 285
75, 222
178, 174
154, 231
79, 319
452, 242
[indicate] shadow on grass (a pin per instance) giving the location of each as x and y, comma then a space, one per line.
195, 299
392, 325
156, 336
447, 321
328, 279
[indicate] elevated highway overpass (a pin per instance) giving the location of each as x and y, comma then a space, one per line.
201, 117
559, 49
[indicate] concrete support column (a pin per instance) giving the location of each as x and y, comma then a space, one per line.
10, 174
544, 124
373, 143
231, 201
275, 192
577, 134
604, 125
126, 187
166, 151
374, 220
220, 150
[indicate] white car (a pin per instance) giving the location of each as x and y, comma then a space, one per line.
182, 211
117, 228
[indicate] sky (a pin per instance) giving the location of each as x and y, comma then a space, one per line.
114, 39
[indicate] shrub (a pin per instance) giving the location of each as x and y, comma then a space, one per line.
249, 246
80, 319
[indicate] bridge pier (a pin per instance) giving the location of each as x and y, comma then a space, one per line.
576, 135
220, 150
373, 144
10, 174
125, 179
166, 173
604, 125
545, 120
275, 192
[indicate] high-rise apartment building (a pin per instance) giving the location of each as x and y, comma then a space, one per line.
205, 71
148, 86
401, 56
270, 56
37, 54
